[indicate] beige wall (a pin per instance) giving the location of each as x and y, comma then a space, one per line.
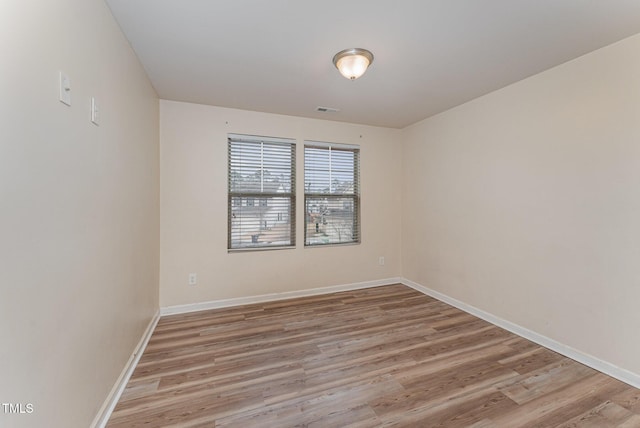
79, 209
194, 208
526, 203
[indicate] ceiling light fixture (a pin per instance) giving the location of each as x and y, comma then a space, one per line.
352, 63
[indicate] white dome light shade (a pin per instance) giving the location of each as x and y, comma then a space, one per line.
352, 63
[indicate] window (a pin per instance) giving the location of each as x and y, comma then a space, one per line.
331, 194
261, 192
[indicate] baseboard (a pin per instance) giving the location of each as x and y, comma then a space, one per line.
612, 370
215, 304
105, 411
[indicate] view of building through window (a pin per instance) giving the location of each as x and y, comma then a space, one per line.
332, 194
262, 198
261, 192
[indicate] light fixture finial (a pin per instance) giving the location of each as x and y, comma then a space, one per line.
353, 62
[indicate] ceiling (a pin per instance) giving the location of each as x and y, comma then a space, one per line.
430, 55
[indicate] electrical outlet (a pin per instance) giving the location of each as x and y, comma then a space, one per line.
193, 279
381, 260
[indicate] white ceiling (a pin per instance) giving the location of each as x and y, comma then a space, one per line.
430, 55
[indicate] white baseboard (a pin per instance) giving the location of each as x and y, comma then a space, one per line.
105, 411
215, 304
612, 370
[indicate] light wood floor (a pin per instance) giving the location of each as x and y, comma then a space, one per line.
385, 356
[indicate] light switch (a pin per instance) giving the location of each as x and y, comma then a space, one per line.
65, 89
94, 112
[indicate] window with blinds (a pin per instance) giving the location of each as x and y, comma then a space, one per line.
331, 194
261, 192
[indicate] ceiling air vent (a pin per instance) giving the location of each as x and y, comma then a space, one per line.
327, 109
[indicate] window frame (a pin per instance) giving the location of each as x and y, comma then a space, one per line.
259, 199
355, 196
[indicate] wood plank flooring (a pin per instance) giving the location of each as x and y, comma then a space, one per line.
379, 357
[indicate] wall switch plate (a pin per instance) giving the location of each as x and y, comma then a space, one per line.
381, 260
193, 279
65, 89
95, 118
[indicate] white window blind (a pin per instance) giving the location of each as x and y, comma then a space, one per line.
331, 194
261, 192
